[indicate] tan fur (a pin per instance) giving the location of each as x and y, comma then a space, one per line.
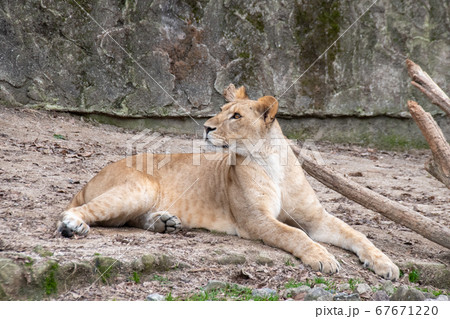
256, 189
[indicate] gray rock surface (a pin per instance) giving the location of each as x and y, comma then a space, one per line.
346, 297
344, 286
404, 293
155, 297
363, 288
318, 294
388, 287
380, 295
295, 291
61, 59
264, 292
442, 298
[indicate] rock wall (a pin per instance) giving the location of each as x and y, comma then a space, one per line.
53, 55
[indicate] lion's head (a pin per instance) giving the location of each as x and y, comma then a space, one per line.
241, 120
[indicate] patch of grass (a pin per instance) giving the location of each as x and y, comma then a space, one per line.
288, 262
294, 284
353, 282
59, 137
414, 276
136, 277
230, 292
161, 279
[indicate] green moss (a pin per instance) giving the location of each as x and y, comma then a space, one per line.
29, 261
414, 276
230, 292
50, 282
106, 267
256, 20
244, 55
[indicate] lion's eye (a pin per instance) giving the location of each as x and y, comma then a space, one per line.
236, 116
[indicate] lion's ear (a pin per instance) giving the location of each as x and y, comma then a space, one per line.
268, 105
232, 94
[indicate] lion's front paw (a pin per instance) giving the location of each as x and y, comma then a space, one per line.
321, 260
381, 265
72, 225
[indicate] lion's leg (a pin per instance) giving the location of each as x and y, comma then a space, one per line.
321, 226
159, 222
113, 208
260, 225
334, 231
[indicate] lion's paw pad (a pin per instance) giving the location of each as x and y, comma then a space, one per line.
166, 223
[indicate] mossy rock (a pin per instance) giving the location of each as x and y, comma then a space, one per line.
165, 263
45, 279
106, 267
233, 259
76, 274
11, 279
433, 274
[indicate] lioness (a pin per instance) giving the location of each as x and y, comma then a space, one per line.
255, 190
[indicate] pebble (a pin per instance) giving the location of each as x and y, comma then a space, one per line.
214, 285
155, 297
388, 287
298, 290
232, 259
344, 287
263, 260
441, 298
319, 294
363, 288
264, 292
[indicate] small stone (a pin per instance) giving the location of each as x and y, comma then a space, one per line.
403, 293
388, 287
263, 260
155, 297
441, 298
429, 295
344, 287
363, 288
319, 294
264, 292
298, 290
380, 295
233, 259
414, 295
215, 285
346, 297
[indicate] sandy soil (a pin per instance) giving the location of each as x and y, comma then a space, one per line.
40, 172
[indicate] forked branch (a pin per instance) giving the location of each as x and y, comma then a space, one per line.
422, 81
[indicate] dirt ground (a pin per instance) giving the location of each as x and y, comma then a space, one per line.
47, 157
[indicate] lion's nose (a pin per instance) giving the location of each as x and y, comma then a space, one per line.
209, 129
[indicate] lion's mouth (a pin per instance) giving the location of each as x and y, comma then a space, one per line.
214, 144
